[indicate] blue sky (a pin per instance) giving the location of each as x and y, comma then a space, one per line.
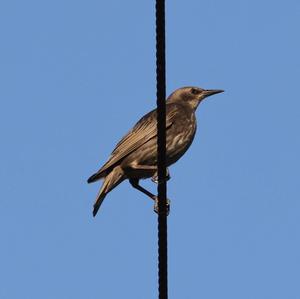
75, 76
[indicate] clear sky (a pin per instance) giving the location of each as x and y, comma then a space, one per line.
75, 76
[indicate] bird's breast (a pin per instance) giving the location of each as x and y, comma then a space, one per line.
180, 137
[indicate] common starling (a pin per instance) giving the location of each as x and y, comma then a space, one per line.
135, 156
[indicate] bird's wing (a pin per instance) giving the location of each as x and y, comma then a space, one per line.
144, 130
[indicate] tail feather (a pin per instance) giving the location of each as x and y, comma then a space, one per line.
114, 178
95, 177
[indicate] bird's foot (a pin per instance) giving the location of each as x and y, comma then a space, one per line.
156, 209
154, 179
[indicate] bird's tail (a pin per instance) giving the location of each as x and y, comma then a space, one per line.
95, 177
114, 178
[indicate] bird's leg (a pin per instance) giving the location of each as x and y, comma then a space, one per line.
154, 178
135, 184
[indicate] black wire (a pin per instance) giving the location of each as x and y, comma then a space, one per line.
161, 150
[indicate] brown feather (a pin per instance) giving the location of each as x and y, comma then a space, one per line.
144, 130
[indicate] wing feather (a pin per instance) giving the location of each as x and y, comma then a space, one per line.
144, 130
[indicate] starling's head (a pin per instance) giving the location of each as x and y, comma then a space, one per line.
191, 96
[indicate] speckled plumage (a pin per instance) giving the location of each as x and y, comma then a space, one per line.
135, 156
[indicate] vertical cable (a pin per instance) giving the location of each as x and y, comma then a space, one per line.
161, 150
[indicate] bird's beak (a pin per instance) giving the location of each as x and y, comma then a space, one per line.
210, 92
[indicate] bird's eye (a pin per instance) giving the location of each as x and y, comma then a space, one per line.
195, 91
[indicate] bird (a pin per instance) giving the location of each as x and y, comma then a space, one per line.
135, 155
